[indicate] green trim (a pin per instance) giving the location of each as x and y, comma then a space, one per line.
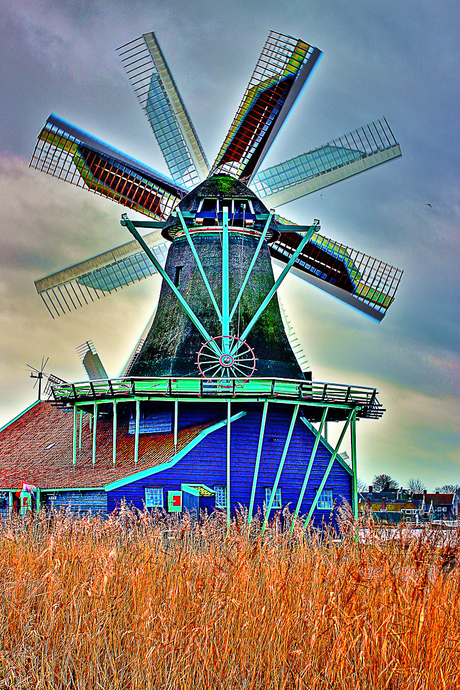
281, 465
327, 446
175, 458
95, 407
328, 469
74, 439
225, 280
228, 458
136, 432
251, 265
276, 285
354, 464
203, 486
191, 314
257, 463
114, 433
198, 263
309, 469
73, 488
18, 416
189, 489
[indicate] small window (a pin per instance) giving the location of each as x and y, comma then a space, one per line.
154, 497
177, 276
221, 496
276, 501
325, 501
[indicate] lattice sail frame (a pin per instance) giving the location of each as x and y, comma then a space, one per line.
282, 69
340, 158
70, 154
356, 278
89, 280
162, 104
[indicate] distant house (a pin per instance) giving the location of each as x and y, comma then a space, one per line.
393, 506
441, 506
389, 506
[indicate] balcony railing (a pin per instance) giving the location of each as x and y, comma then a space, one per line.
309, 392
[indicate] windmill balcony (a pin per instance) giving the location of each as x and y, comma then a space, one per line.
314, 396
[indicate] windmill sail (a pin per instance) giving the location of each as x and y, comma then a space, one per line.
321, 167
359, 280
157, 93
91, 361
97, 277
282, 69
69, 153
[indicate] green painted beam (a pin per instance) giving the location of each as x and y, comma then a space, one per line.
136, 432
328, 469
252, 264
114, 434
190, 313
175, 458
281, 465
309, 469
18, 416
257, 463
95, 406
327, 445
276, 285
225, 282
354, 465
176, 422
198, 263
74, 438
229, 469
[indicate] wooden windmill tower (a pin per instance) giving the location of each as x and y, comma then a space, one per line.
217, 353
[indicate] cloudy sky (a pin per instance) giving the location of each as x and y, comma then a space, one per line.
394, 59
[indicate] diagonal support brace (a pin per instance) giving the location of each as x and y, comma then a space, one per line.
329, 467
198, 263
255, 318
192, 316
251, 265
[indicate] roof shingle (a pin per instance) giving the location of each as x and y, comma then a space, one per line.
36, 448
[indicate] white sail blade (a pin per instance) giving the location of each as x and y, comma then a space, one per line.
341, 158
280, 73
71, 154
162, 104
77, 285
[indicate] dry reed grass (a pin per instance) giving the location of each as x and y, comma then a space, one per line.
141, 601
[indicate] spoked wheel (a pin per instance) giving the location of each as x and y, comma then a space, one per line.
226, 357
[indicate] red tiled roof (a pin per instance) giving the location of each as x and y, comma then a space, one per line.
439, 499
36, 449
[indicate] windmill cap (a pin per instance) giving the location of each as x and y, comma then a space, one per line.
224, 188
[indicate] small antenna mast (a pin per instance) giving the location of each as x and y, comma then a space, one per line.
39, 375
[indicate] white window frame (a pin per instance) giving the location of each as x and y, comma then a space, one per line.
220, 488
277, 503
158, 493
326, 500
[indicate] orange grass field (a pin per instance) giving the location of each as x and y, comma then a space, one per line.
141, 601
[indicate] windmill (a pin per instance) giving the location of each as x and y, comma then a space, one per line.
39, 375
218, 329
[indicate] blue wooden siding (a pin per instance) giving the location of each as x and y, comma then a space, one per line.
82, 501
206, 463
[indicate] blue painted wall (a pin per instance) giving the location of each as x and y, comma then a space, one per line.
78, 501
206, 463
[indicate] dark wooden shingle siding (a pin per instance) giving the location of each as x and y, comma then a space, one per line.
206, 464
